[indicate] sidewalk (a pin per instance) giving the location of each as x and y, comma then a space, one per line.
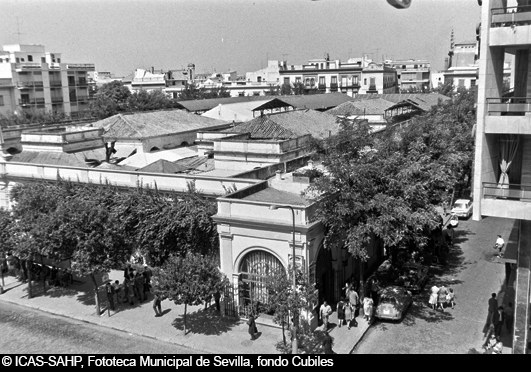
207, 331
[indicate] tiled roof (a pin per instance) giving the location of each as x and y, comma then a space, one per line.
289, 124
308, 101
275, 196
375, 106
162, 166
207, 104
142, 159
154, 123
59, 158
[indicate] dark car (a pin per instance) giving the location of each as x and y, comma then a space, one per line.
412, 277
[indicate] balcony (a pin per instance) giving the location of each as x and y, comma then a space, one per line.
29, 84
80, 66
56, 83
372, 89
321, 87
514, 201
509, 105
27, 66
30, 101
510, 26
333, 87
57, 100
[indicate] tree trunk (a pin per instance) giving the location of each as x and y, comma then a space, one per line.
185, 308
43, 277
28, 270
283, 334
96, 294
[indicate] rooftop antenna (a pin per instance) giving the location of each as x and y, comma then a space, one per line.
18, 31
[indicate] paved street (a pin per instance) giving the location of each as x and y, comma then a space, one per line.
27, 331
474, 276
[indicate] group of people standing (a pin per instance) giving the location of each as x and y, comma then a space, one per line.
441, 297
348, 308
497, 317
136, 286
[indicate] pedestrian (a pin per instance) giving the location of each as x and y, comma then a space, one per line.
493, 306
354, 300
139, 285
509, 317
498, 318
433, 297
127, 271
450, 298
441, 298
368, 308
109, 290
146, 281
490, 340
157, 299
327, 344
500, 243
348, 314
375, 287
130, 289
252, 327
341, 311
117, 292
325, 312
217, 297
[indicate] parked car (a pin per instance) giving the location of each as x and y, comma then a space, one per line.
393, 301
462, 208
412, 277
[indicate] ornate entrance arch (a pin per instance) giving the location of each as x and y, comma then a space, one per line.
255, 268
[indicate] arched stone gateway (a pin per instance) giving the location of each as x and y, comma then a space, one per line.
256, 267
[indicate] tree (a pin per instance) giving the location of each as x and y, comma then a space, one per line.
110, 99
298, 88
188, 280
286, 90
192, 91
288, 307
147, 101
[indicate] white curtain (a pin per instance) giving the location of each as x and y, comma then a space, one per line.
508, 148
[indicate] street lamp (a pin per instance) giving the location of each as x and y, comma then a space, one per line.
294, 343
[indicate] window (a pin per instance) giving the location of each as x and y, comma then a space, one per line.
472, 83
286, 80
334, 80
30, 58
1, 100
58, 60
298, 79
321, 80
17, 60
365, 81
461, 82
259, 79
43, 60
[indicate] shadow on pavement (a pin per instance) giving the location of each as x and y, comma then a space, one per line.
205, 322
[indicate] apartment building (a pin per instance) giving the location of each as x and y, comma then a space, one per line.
413, 74
357, 75
34, 80
502, 169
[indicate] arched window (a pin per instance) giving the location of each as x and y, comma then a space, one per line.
255, 269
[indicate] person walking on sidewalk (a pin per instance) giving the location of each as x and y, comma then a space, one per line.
325, 312
252, 327
450, 298
368, 308
354, 300
341, 311
498, 318
500, 243
109, 290
441, 300
434, 296
493, 307
157, 305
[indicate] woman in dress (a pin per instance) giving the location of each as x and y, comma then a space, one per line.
368, 308
434, 297
348, 313
341, 311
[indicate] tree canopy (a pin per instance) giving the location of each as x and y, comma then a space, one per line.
386, 187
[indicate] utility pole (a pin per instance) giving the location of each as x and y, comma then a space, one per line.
18, 33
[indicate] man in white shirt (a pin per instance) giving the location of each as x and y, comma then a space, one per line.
500, 243
325, 311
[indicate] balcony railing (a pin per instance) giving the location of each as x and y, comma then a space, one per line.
31, 101
29, 84
510, 192
509, 105
27, 66
57, 99
321, 87
333, 87
511, 16
55, 83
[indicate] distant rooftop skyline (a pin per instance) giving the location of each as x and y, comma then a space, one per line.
221, 35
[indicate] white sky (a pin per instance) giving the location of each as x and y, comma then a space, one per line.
121, 35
